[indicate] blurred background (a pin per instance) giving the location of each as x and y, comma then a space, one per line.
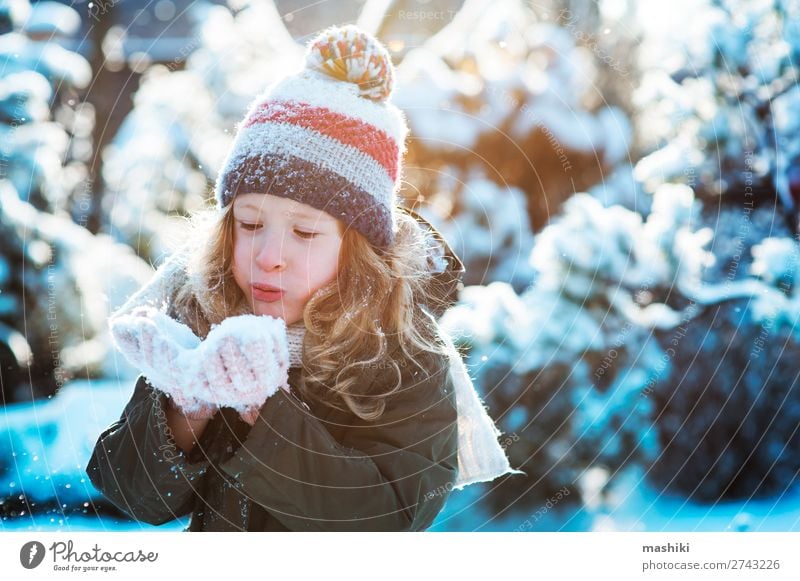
620, 178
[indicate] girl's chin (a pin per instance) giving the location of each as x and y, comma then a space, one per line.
273, 310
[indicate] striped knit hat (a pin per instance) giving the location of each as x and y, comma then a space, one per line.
326, 136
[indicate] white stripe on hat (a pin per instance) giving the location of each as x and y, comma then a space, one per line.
340, 97
285, 139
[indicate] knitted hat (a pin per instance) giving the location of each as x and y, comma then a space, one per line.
326, 136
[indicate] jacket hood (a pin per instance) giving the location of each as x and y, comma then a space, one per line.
444, 264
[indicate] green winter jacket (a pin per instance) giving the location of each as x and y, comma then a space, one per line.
302, 466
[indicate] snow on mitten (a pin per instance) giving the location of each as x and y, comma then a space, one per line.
159, 346
245, 360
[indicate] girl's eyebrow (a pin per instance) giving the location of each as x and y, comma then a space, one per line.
248, 206
297, 214
301, 215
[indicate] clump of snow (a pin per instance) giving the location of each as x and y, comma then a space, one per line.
24, 96
429, 93
45, 445
60, 66
489, 231
241, 362
52, 18
776, 261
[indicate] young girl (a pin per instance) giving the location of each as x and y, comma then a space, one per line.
293, 373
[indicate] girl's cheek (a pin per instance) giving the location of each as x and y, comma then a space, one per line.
246, 253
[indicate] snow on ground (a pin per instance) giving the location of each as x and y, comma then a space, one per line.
77, 524
635, 506
630, 505
51, 442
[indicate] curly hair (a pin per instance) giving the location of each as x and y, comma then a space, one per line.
373, 315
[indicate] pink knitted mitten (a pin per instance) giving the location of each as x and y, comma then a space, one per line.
242, 361
245, 360
159, 345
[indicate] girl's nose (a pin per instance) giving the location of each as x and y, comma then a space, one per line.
271, 255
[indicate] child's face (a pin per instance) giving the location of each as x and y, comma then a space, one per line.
286, 245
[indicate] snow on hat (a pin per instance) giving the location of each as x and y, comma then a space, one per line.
327, 136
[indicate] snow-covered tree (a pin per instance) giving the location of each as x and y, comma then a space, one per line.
56, 284
504, 92
717, 108
60, 283
476, 111
487, 227
567, 364
168, 150
720, 110
45, 133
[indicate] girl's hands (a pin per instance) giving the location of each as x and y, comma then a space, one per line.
241, 362
245, 360
158, 345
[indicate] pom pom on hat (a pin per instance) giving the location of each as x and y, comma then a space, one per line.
347, 53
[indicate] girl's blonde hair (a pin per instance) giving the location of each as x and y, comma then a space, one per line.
373, 316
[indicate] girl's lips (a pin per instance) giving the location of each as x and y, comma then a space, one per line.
267, 296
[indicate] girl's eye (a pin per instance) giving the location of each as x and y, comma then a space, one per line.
306, 235
252, 227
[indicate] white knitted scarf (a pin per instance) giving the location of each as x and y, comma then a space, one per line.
481, 458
